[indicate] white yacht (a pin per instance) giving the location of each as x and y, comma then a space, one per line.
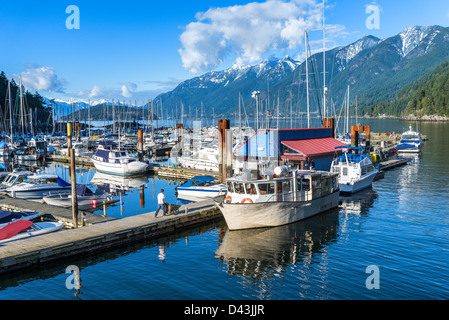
109, 160
291, 196
13, 178
411, 142
37, 186
356, 171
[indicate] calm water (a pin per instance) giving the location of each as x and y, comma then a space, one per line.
401, 226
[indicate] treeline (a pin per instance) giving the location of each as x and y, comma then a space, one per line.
429, 95
34, 107
109, 113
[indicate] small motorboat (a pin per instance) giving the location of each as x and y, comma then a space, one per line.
37, 186
24, 229
13, 178
201, 187
86, 198
7, 217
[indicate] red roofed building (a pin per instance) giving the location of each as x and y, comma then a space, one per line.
312, 148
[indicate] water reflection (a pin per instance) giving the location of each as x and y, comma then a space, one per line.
256, 253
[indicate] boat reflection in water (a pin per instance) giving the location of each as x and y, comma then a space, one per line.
258, 252
267, 253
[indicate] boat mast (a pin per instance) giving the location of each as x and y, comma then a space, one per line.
324, 65
10, 111
307, 79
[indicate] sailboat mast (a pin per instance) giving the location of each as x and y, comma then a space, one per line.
10, 112
324, 66
307, 80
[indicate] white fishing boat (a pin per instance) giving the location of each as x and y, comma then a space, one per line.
356, 171
291, 196
13, 178
24, 229
7, 217
411, 142
86, 198
200, 187
109, 160
37, 186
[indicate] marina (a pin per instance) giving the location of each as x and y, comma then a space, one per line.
144, 225
113, 232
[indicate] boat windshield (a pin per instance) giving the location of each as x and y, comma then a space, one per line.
410, 137
42, 180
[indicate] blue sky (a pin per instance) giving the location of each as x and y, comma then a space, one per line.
133, 50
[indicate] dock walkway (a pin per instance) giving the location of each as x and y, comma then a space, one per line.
23, 253
61, 214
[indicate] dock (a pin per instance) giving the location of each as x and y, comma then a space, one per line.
65, 243
62, 214
182, 173
391, 163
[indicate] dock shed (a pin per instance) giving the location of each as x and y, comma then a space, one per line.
306, 148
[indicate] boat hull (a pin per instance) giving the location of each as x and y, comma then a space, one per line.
270, 214
359, 185
122, 169
66, 200
36, 193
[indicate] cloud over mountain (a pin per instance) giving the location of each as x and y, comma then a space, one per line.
247, 31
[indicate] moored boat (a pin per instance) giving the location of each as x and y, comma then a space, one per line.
291, 196
7, 217
109, 160
356, 171
24, 229
200, 187
86, 198
37, 186
410, 142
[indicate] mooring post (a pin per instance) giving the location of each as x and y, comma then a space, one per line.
73, 184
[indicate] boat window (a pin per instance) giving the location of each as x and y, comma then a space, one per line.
230, 188
304, 184
286, 186
250, 189
238, 187
345, 171
266, 188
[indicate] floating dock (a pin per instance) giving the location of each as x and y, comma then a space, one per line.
392, 163
62, 214
182, 173
65, 243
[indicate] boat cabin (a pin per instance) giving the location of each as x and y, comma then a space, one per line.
299, 186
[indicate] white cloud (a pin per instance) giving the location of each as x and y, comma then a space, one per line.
247, 31
95, 92
41, 78
128, 88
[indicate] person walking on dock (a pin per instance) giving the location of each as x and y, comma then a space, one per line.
160, 202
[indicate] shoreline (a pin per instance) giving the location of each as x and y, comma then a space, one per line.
431, 118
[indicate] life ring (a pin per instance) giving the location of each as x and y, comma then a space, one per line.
228, 199
246, 200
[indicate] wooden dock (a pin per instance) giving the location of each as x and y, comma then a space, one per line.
182, 173
392, 163
79, 161
62, 214
65, 243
